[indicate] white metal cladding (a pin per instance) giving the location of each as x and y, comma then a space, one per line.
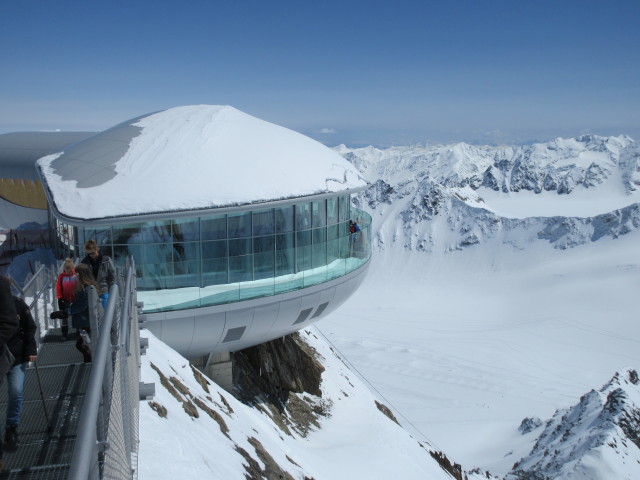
200, 331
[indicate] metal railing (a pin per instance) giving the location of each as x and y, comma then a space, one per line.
39, 293
107, 437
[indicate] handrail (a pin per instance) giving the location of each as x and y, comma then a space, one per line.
84, 454
27, 285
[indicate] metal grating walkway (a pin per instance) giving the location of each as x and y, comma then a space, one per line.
44, 454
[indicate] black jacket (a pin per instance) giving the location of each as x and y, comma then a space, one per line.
23, 343
79, 310
8, 316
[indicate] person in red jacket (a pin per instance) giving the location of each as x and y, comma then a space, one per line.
65, 291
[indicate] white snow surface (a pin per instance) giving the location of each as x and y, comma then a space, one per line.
205, 156
356, 441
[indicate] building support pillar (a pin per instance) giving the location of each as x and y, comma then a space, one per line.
219, 368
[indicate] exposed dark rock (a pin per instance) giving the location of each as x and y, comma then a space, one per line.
253, 470
284, 365
276, 376
213, 414
159, 409
454, 469
384, 409
529, 424
200, 378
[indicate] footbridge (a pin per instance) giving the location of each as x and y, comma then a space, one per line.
80, 421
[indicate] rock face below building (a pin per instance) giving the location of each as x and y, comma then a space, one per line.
282, 377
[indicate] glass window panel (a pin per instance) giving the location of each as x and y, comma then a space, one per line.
186, 230
214, 228
264, 265
333, 250
186, 264
332, 211
319, 247
303, 250
344, 208
216, 249
319, 211
239, 225
239, 246
157, 261
264, 257
241, 268
284, 219
263, 223
124, 234
156, 232
303, 216
214, 263
121, 252
264, 244
102, 236
285, 254
214, 271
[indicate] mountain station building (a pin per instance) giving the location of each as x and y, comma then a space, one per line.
239, 228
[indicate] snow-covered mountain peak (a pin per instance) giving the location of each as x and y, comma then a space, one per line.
599, 437
566, 192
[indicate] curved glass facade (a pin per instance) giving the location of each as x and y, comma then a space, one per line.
209, 260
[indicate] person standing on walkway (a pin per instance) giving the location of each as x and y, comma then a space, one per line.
79, 310
65, 291
8, 323
104, 273
24, 348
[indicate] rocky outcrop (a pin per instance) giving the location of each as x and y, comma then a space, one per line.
282, 377
604, 425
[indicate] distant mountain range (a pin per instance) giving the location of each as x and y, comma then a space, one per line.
447, 197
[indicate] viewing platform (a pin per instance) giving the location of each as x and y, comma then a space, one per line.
47, 439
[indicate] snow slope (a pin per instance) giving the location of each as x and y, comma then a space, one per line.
354, 440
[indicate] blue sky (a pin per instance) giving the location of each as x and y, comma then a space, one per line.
354, 72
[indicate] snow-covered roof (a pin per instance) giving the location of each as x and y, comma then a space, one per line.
191, 157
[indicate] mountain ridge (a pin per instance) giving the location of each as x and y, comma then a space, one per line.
450, 197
